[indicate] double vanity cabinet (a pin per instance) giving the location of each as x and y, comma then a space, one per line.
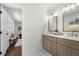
60, 46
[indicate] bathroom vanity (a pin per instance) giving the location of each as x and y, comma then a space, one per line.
66, 44
59, 45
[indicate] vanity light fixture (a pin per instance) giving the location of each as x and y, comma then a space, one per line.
70, 6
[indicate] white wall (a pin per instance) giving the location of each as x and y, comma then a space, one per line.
32, 29
60, 21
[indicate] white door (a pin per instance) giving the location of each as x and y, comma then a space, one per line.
5, 33
0, 30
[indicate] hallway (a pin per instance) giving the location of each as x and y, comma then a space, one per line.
15, 51
11, 26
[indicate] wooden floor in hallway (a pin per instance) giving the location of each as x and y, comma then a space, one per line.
15, 51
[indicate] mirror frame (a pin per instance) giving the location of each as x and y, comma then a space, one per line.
49, 25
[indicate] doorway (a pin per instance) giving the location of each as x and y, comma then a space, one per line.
11, 27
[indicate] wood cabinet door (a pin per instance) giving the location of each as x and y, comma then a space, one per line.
49, 44
45, 43
72, 52
61, 50
52, 47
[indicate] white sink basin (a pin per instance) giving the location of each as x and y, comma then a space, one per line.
57, 33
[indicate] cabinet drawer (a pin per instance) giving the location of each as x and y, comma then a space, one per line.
49, 37
73, 44
61, 41
72, 52
69, 43
53, 38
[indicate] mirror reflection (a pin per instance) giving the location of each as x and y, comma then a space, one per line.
52, 24
71, 20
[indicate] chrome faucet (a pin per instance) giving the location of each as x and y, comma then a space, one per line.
74, 34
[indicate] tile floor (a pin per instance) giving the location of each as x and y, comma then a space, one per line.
45, 53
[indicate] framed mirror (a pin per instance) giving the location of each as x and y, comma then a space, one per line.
71, 20
53, 24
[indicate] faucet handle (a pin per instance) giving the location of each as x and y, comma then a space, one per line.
76, 35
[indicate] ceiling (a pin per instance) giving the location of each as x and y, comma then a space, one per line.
15, 9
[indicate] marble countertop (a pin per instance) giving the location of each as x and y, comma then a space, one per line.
65, 36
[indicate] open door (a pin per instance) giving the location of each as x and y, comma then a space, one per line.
0, 30
10, 31
4, 30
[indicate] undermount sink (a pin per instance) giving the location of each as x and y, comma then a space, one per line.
57, 33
